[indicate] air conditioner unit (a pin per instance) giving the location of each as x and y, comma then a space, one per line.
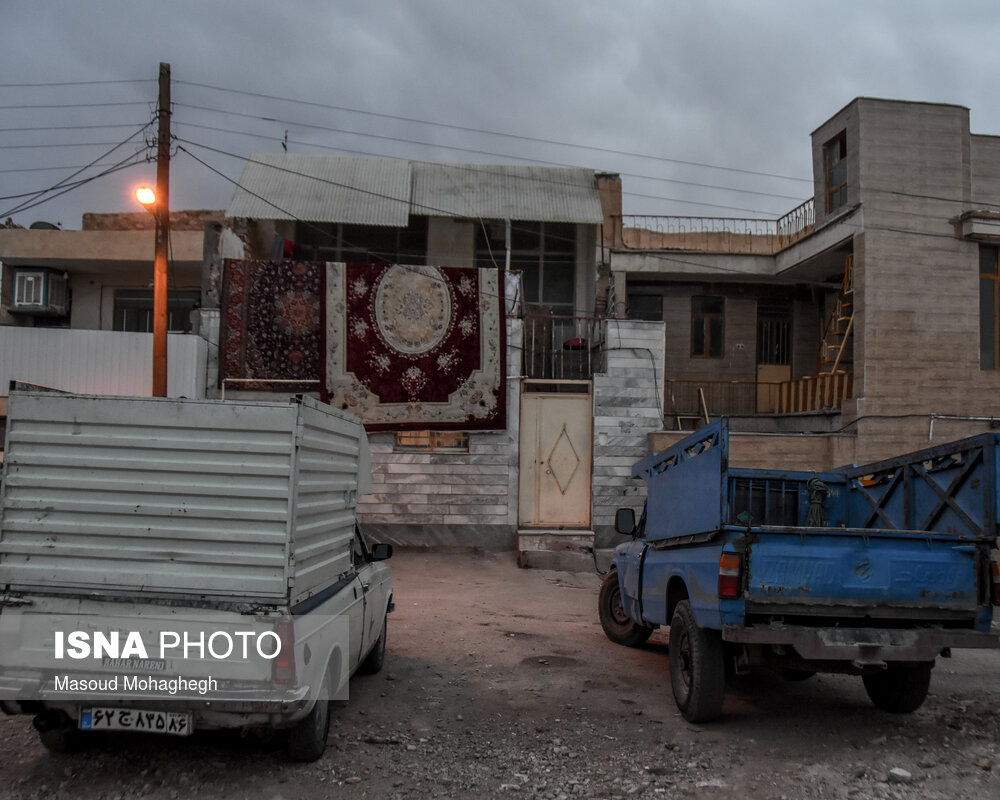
40, 290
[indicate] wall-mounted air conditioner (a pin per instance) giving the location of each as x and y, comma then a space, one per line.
40, 290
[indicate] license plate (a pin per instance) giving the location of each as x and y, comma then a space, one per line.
173, 723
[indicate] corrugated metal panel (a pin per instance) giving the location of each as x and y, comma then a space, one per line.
99, 362
321, 188
148, 495
332, 448
377, 191
498, 191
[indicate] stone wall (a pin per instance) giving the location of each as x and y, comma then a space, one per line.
628, 406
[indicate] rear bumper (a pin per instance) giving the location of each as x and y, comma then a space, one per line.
225, 707
861, 645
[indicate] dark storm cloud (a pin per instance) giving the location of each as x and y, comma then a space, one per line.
729, 87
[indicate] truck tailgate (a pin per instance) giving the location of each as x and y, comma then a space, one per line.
860, 573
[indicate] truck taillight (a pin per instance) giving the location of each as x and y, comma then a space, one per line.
995, 568
283, 666
729, 575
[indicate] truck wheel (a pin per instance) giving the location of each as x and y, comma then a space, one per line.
306, 741
62, 740
617, 625
899, 689
376, 658
697, 667
58, 732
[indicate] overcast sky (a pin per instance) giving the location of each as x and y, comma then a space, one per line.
704, 108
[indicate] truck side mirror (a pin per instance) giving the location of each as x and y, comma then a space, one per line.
625, 521
380, 552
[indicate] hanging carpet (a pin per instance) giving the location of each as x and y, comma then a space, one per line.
416, 347
271, 330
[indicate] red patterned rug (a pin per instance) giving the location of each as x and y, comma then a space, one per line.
412, 347
271, 325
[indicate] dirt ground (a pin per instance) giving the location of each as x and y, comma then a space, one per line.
500, 683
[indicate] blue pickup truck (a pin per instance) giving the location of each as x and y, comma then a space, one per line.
872, 571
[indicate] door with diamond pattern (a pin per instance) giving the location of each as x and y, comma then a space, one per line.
555, 460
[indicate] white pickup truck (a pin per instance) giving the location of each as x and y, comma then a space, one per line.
170, 565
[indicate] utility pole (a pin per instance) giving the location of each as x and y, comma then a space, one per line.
162, 236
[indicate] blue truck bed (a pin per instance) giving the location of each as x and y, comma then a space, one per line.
867, 569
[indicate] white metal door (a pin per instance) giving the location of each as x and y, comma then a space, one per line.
555, 448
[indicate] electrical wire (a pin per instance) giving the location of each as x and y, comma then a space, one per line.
456, 148
63, 183
467, 129
68, 188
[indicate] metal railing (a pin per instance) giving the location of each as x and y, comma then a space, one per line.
796, 224
719, 234
696, 402
562, 348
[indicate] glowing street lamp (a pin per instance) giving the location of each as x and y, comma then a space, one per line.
147, 197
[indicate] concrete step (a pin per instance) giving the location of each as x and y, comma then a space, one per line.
568, 551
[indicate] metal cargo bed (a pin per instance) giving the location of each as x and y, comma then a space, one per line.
169, 498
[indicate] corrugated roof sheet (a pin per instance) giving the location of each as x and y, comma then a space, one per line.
503, 191
385, 191
322, 188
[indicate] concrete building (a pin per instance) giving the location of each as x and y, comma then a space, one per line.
862, 324
543, 472
75, 306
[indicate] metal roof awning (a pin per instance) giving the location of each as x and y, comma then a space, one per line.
386, 191
321, 188
503, 191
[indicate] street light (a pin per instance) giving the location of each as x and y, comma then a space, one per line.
147, 197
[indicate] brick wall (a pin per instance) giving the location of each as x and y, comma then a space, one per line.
143, 220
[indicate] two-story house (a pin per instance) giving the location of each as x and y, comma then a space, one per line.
862, 324
452, 307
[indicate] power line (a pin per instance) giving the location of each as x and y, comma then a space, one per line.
456, 148
72, 83
68, 127
54, 190
72, 105
469, 129
68, 188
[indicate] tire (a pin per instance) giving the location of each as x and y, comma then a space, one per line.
306, 741
376, 658
796, 675
63, 739
697, 668
899, 689
618, 627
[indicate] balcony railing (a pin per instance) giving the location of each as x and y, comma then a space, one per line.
691, 401
562, 348
717, 234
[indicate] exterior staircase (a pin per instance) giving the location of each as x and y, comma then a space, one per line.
836, 350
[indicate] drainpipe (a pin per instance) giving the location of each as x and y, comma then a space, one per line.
506, 240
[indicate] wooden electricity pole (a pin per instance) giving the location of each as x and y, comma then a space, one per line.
162, 236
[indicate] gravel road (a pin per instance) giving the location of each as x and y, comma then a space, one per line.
500, 683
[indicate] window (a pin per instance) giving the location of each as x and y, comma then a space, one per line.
432, 441
28, 288
544, 253
707, 326
40, 290
989, 307
835, 158
134, 310
343, 242
645, 306
774, 333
